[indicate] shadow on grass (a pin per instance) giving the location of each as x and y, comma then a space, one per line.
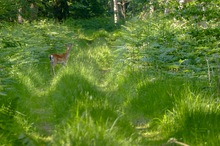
199, 127
78, 102
74, 94
155, 95
163, 107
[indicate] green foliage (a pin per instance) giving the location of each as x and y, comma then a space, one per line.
141, 84
55, 105
87, 9
8, 10
193, 116
185, 49
98, 23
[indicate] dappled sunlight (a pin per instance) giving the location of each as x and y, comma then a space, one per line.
30, 83
143, 83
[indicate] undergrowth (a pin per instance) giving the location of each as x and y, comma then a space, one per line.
140, 85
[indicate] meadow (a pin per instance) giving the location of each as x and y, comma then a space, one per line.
139, 84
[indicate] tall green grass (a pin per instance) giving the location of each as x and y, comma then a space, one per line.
194, 119
97, 99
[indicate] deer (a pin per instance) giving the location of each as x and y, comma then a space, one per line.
59, 58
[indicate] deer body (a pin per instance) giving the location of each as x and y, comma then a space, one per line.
59, 58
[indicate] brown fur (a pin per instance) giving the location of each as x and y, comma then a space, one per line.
60, 58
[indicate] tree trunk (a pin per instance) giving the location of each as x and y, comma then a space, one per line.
115, 6
33, 12
122, 9
166, 10
20, 18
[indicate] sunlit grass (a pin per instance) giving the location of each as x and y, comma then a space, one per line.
193, 119
98, 100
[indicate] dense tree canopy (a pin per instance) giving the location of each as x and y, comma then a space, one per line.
58, 9
62, 9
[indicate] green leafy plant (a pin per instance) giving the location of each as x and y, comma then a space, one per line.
140, 84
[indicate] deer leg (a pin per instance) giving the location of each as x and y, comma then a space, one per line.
52, 68
52, 64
